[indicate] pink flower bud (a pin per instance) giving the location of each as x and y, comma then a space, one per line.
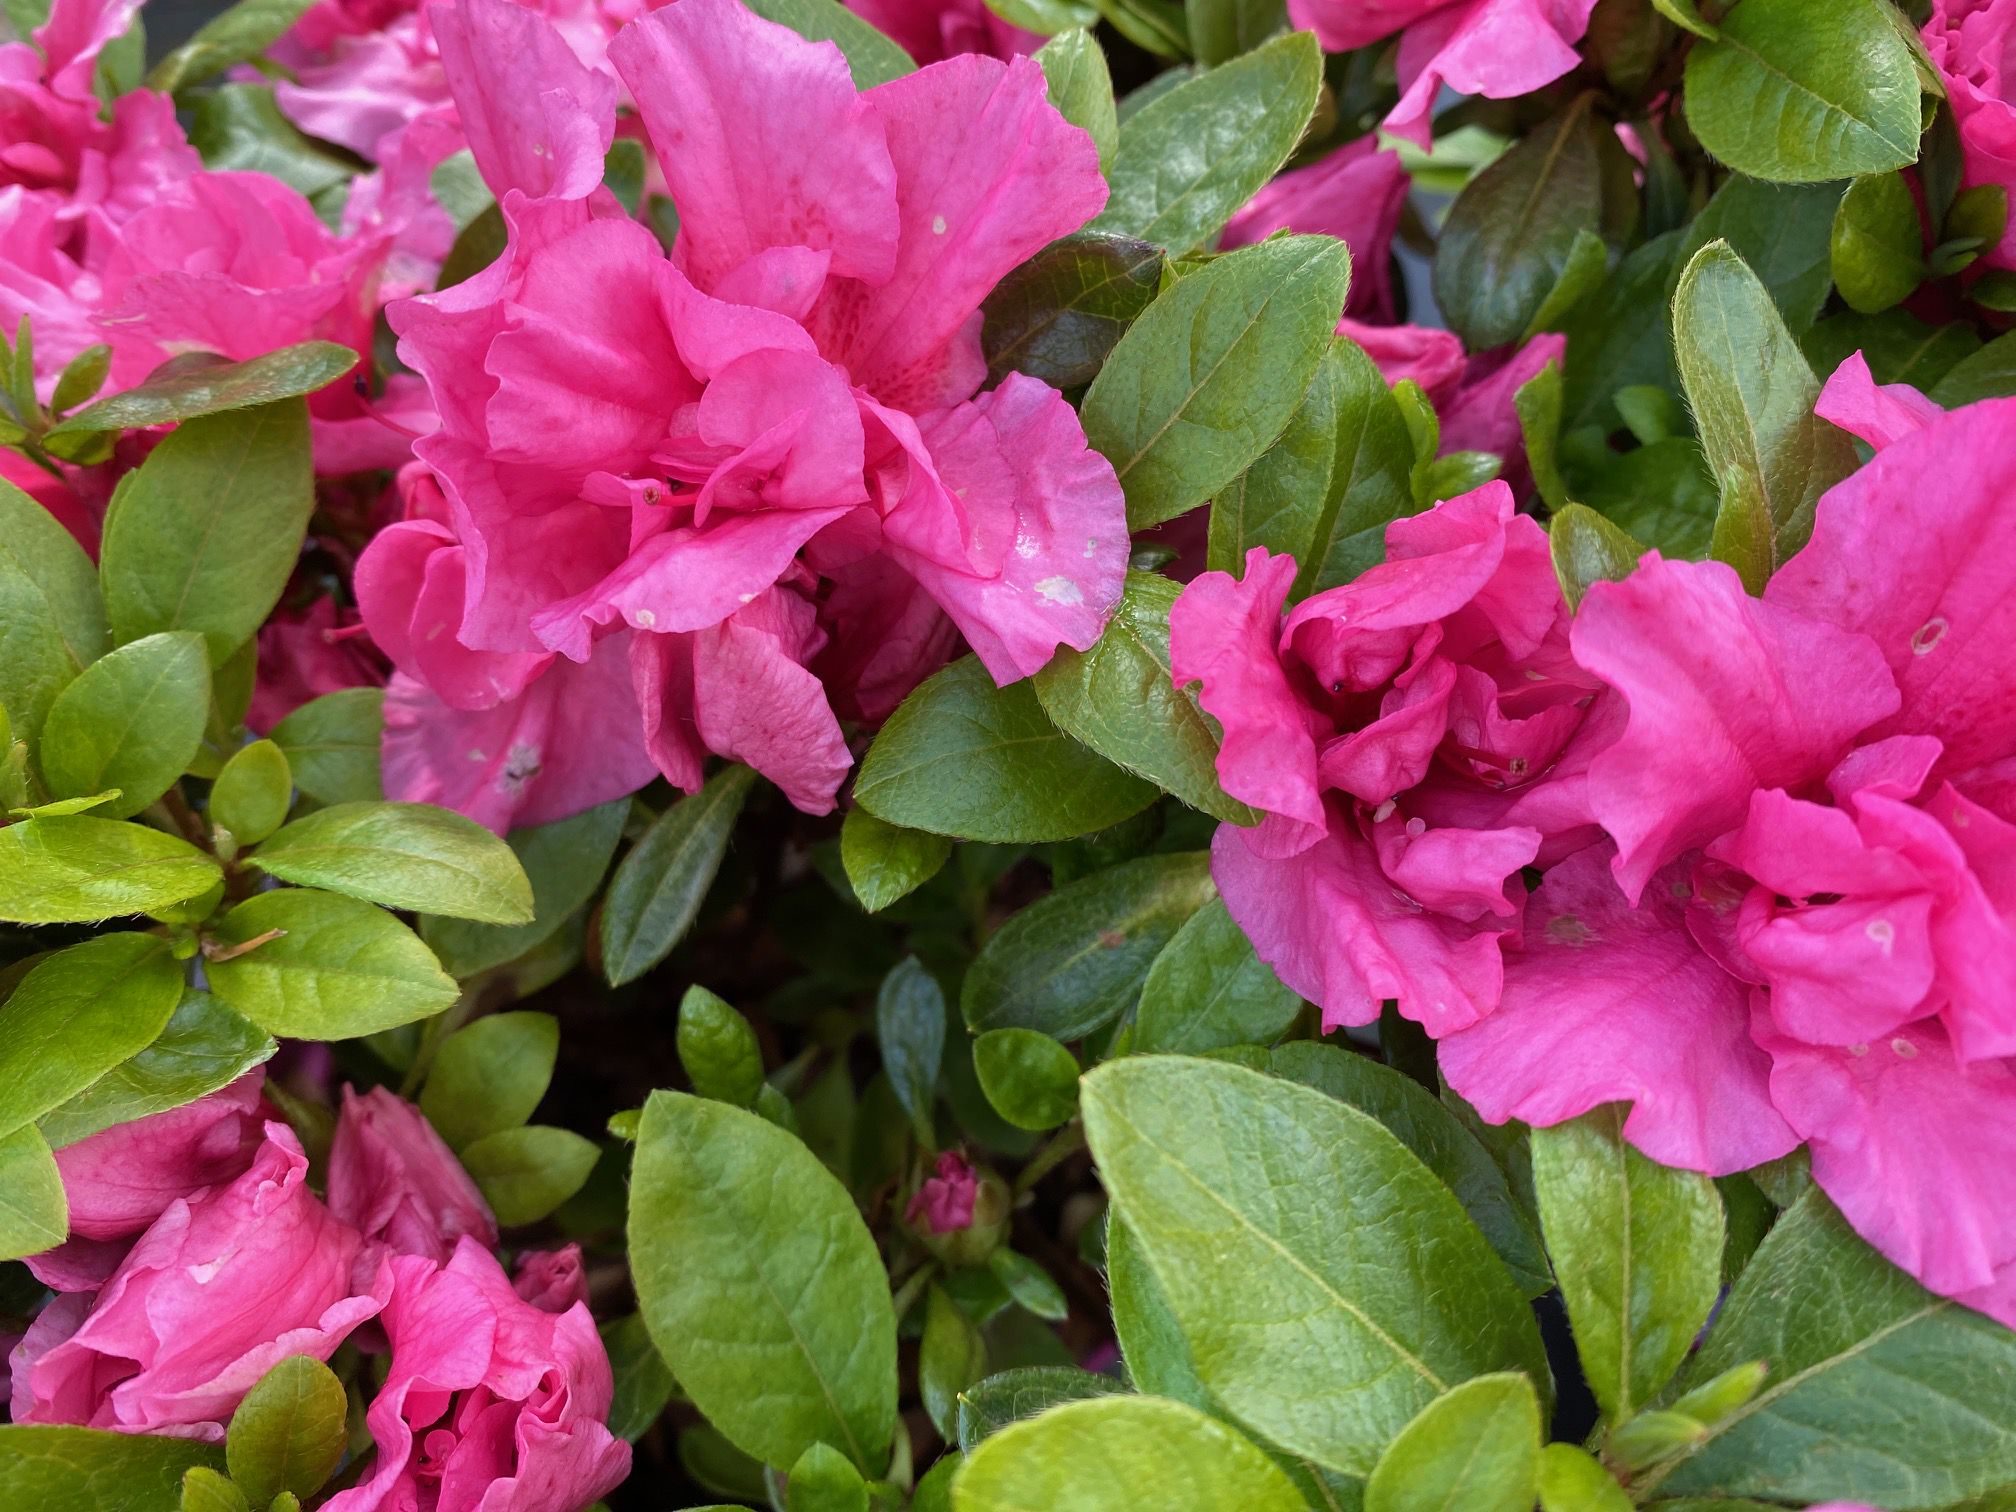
397, 1181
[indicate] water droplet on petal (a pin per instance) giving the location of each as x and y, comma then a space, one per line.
1416, 828
1904, 1049
937, 225
1883, 932
1929, 635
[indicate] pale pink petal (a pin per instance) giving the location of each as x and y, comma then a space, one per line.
73, 36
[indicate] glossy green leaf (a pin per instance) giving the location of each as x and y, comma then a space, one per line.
1207, 990
34, 1214
1637, 1248
488, 1076
52, 622
1029, 1284
1075, 960
1212, 372
1476, 1447
215, 385
204, 1047
719, 1050
1877, 253
565, 862
237, 35
644, 1383
962, 757
871, 57
288, 1433
331, 744
76, 1015
132, 721
1266, 1274
950, 1358
52, 1469
886, 862
403, 855
1778, 97
1080, 87
761, 1284
239, 128
1191, 157
1752, 396
1012, 1395
1059, 315
1587, 548
910, 1031
1781, 231
1031, 1080
341, 968
823, 1480
251, 796
205, 534
1119, 699
659, 886
525, 1173
1987, 374
76, 868
1119, 1454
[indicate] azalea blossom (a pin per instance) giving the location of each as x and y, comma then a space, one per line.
1972, 43
394, 1180
727, 469
1354, 194
934, 30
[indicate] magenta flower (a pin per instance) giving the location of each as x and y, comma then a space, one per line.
305, 653
393, 1179
943, 1202
491, 1402
756, 472
1973, 45
934, 30
551, 1280
1353, 194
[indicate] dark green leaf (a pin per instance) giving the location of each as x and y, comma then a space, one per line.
1028, 1283
1621, 336
216, 386
332, 745
1031, 1080
489, 1076
34, 1215
477, 245
67, 869
1207, 990
403, 855
1877, 253
644, 1383
1477, 1447
1538, 405
885, 862
1988, 374
719, 1049
1220, 30
204, 1047
82, 376
288, 1433
658, 887
76, 1015
910, 1030
1058, 315
525, 1173
1781, 231
1012, 1395
131, 721
1587, 549
239, 128
871, 57
565, 861
1899, 348
52, 1469
52, 622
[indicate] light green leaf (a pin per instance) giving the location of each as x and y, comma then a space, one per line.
1537, 402
1029, 1284
211, 385
1060, 314
1074, 68
403, 855
886, 862
822, 1480
34, 1215
1876, 249
339, 969
1012, 1395
525, 1173
205, 534
1191, 157
1119, 1454
489, 1076
331, 744
910, 1031
1212, 372
761, 1284
1781, 98
871, 57
1119, 699
251, 796
658, 888
718, 1048
132, 721
1266, 1275
76, 1015
1476, 1448
204, 1047
1075, 960
52, 622
962, 757
565, 860
1571, 1480
78, 869
53, 1469
1207, 990
82, 376
288, 1433
1031, 1080
1637, 1247
204, 1490
950, 1358
1586, 549
238, 35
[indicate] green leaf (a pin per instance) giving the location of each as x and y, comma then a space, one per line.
1191, 157
76, 1015
1028, 1283
1587, 549
331, 744
822, 1480
1780, 98
761, 1284
132, 721
1119, 699
1862, 1359
1621, 336
1059, 315
1220, 30
489, 1076
1298, 1297
1031, 1080
251, 796
82, 376
962, 757
477, 245
718, 1048
52, 622
1013, 1395
1637, 1247
34, 1215
206, 533
1782, 231
238, 35
1572, 1481
1877, 255
216, 385
871, 57
658, 888
1212, 372
713, 1462
1118, 1454
527, 1172
950, 1358
204, 1047
1752, 396
239, 128
1510, 235
910, 1031
1682, 13
565, 860
77, 869
403, 855
342, 968
1987, 374
644, 1383
1080, 87
54, 1469
1325, 491
1207, 990
204, 1490
1477, 1447
288, 1433
1537, 402
886, 862
1075, 960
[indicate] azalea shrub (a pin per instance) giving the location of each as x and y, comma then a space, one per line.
988, 755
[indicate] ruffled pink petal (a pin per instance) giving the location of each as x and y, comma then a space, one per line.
1496, 48
1342, 25
121, 1179
393, 1179
412, 587
1878, 413
73, 36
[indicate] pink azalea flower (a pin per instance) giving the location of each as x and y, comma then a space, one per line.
735, 465
1496, 48
944, 1202
551, 1280
1408, 736
1973, 45
1355, 195
222, 1286
393, 1179
305, 653
934, 30
491, 1401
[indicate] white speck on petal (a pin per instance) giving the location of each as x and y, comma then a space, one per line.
1929, 635
937, 225
1091, 547
1026, 546
645, 619
745, 598
1904, 1049
1059, 590
1858, 1051
478, 756
1883, 932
